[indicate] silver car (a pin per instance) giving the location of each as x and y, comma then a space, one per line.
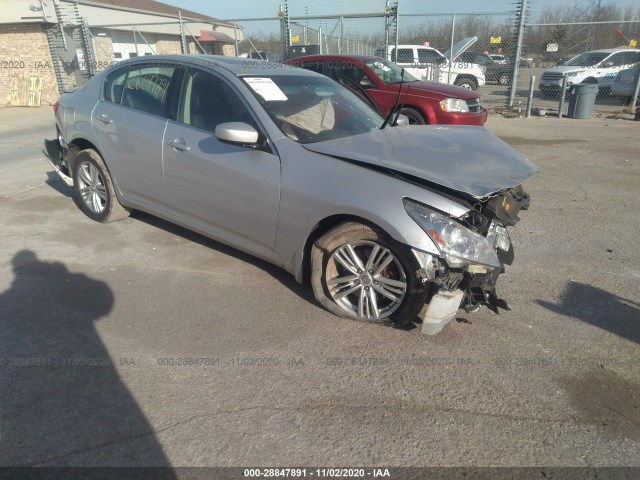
292, 167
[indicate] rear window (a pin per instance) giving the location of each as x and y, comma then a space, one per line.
405, 55
114, 84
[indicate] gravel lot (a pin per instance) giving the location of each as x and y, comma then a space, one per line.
103, 310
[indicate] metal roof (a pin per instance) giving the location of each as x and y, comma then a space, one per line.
151, 7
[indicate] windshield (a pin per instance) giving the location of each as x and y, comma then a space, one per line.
588, 59
389, 72
313, 109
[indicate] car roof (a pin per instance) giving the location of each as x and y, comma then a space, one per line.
236, 65
363, 58
614, 50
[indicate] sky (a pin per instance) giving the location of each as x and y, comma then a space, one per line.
268, 8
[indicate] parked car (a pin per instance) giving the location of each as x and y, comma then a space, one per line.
526, 62
496, 57
379, 81
292, 167
625, 83
261, 55
428, 64
597, 66
493, 71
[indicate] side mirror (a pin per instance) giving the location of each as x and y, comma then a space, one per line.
238, 133
366, 82
402, 120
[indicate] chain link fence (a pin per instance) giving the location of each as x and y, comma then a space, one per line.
507, 51
603, 52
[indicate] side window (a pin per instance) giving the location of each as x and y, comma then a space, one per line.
146, 88
617, 60
207, 101
632, 58
350, 71
317, 67
429, 56
405, 55
113, 85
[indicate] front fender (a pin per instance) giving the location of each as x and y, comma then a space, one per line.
316, 187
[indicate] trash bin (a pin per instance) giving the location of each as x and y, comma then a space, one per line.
582, 98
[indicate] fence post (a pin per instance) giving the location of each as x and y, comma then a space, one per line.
453, 32
522, 15
135, 40
235, 38
562, 95
320, 39
341, 34
532, 83
387, 11
183, 39
636, 91
397, 20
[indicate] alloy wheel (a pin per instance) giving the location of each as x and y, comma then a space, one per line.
92, 187
366, 279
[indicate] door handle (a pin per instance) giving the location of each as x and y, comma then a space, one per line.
179, 144
104, 118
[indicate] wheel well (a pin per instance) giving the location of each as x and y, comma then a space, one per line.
466, 77
320, 229
75, 147
424, 116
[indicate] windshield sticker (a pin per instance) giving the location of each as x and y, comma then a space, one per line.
266, 88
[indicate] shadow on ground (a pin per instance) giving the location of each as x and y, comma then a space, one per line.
63, 402
600, 308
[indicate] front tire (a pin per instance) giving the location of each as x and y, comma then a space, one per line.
466, 82
95, 194
415, 117
360, 273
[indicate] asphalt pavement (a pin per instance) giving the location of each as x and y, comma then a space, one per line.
140, 343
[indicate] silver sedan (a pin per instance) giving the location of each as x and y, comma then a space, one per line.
285, 164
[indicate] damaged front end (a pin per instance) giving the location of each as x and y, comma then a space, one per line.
473, 252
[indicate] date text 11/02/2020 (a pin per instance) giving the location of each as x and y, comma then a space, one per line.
316, 472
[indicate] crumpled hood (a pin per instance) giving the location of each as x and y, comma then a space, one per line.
470, 160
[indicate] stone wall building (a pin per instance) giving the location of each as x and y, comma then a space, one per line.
46, 45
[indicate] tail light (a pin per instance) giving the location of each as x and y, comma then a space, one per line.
55, 107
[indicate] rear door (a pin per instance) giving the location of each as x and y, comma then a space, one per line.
229, 191
129, 122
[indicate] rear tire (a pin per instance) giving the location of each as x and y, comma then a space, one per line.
95, 194
361, 273
504, 79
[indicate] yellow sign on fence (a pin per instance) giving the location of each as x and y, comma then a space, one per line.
633, 43
496, 40
295, 39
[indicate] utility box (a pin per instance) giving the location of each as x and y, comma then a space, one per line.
582, 98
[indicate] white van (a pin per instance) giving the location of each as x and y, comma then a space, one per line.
428, 64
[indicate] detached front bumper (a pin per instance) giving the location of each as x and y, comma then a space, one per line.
55, 153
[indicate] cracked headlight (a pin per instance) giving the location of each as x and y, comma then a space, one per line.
454, 105
458, 245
